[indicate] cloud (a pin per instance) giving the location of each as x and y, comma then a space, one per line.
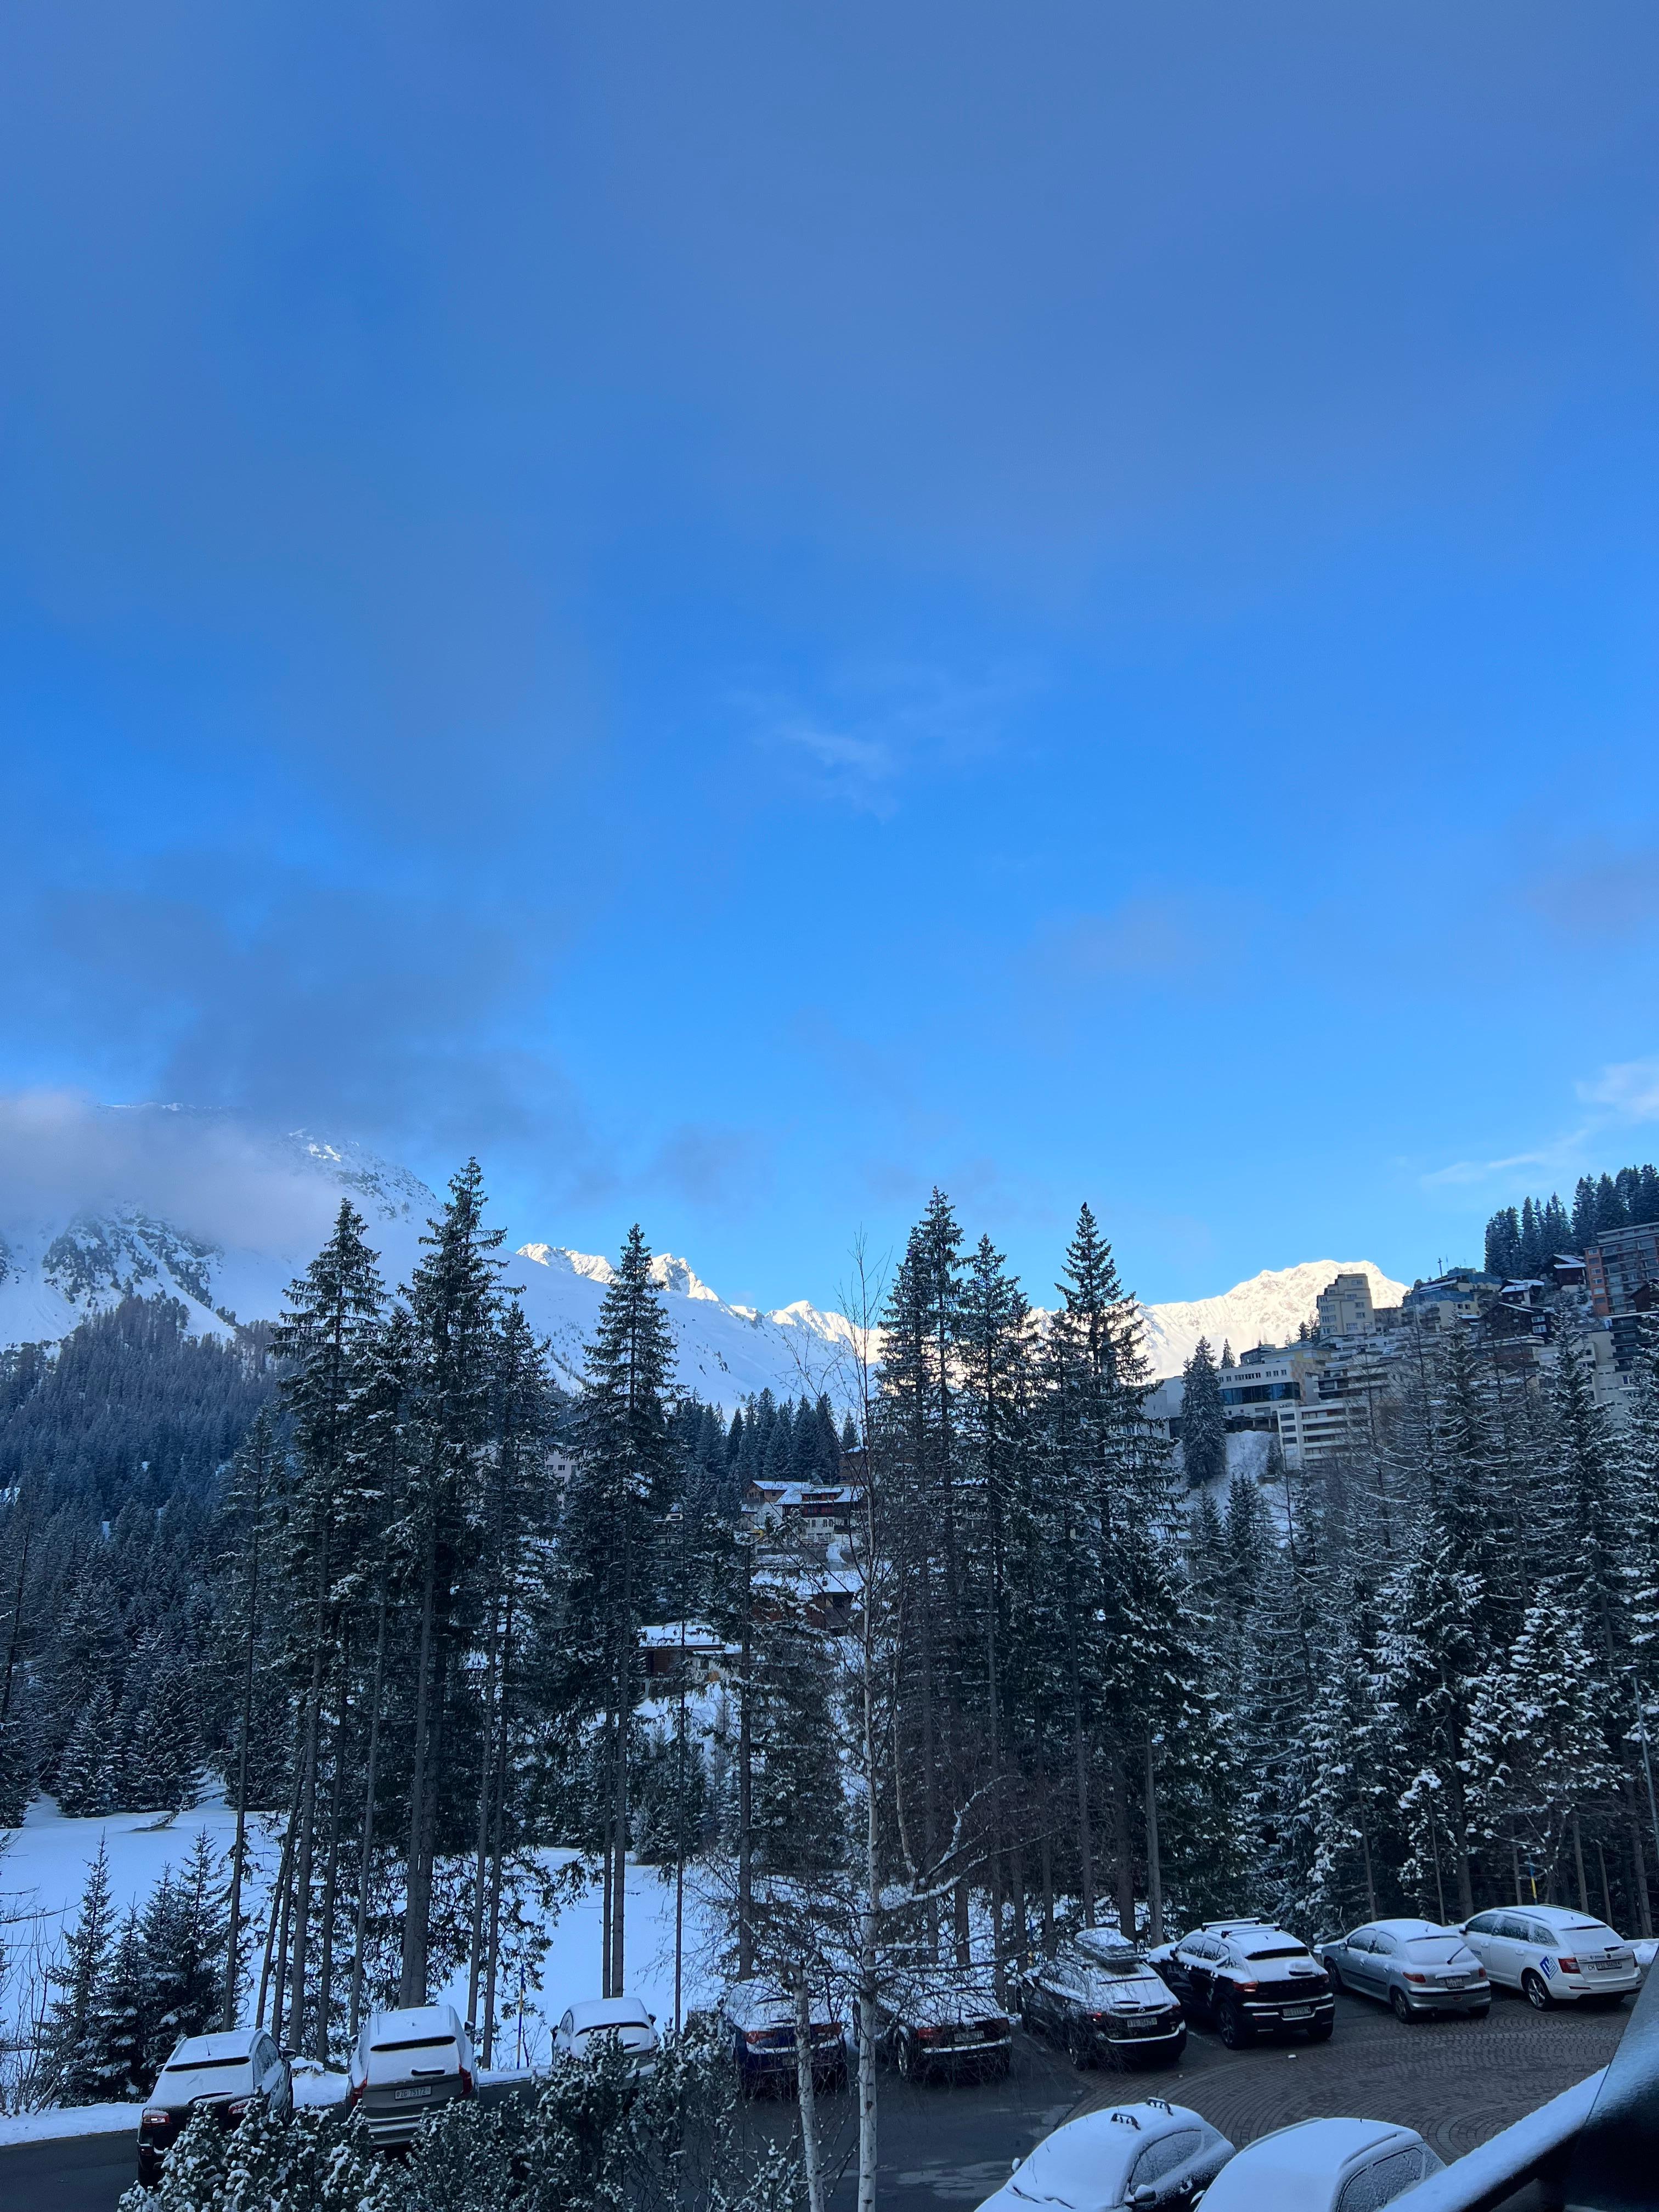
883, 725
214, 1175
1628, 1089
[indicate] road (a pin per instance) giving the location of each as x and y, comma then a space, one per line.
944, 2147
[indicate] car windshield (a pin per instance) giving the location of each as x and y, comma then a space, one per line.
421, 2043
1280, 1951
1066, 2173
1436, 1950
1589, 1927
1128, 1964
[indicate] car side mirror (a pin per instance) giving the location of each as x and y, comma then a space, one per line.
288, 2054
1145, 2195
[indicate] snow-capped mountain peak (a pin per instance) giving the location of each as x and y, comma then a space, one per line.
1268, 1309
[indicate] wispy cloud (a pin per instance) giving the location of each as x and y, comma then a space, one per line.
881, 725
1629, 1089
1623, 1095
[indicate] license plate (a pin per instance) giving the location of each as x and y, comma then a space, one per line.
1298, 2012
1457, 1981
401, 2096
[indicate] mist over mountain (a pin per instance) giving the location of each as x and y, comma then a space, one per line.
101, 1203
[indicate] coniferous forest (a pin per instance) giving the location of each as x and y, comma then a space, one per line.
372, 1574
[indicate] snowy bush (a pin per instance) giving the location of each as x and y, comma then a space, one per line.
593, 2140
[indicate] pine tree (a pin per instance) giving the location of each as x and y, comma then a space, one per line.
72, 2060
454, 1301
119, 2013
83, 1771
627, 1472
1203, 1420
186, 1928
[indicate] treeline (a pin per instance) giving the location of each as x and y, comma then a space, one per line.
1020, 1675
1521, 1241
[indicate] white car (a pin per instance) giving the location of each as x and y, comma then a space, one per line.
1552, 1955
403, 2065
1145, 2155
226, 2072
585, 2027
1324, 2166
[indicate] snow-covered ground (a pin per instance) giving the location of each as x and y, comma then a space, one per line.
43, 1873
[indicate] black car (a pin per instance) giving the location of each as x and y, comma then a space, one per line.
1249, 1978
947, 2023
1103, 2000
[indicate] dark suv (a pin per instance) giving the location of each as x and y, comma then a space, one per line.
1249, 1978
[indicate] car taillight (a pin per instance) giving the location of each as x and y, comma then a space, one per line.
156, 2120
354, 2092
1411, 1977
466, 2081
234, 2110
1479, 1973
1569, 1965
930, 2035
1249, 1987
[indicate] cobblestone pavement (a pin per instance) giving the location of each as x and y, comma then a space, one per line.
1456, 2082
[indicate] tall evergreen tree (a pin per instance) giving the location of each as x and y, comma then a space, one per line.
72, 2052
627, 1472
1203, 1420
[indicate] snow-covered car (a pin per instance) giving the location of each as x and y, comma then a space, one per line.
1324, 2166
585, 2027
760, 2018
1416, 1966
403, 2065
1143, 2155
227, 2071
1098, 1998
948, 2022
1552, 1955
1248, 1978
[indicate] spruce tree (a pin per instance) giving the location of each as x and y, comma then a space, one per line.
71, 2053
1203, 1420
626, 1474
454, 1302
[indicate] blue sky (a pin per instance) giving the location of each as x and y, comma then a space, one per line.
746, 610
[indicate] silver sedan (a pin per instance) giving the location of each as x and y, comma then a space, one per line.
1416, 1966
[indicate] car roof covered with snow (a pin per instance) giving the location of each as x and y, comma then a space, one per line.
1086, 2162
1302, 2169
214, 2050
412, 2023
943, 1996
609, 2012
762, 2004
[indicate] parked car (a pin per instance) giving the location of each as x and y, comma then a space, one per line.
1146, 2154
946, 2022
761, 2019
1098, 1998
587, 2026
1324, 2166
227, 2071
406, 2063
1552, 1955
1249, 1978
1416, 1966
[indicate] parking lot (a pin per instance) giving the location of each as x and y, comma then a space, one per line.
943, 2147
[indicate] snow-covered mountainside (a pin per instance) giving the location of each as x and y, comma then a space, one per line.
1267, 1309
254, 1210
54, 1272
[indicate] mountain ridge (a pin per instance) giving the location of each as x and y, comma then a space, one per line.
69, 1262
